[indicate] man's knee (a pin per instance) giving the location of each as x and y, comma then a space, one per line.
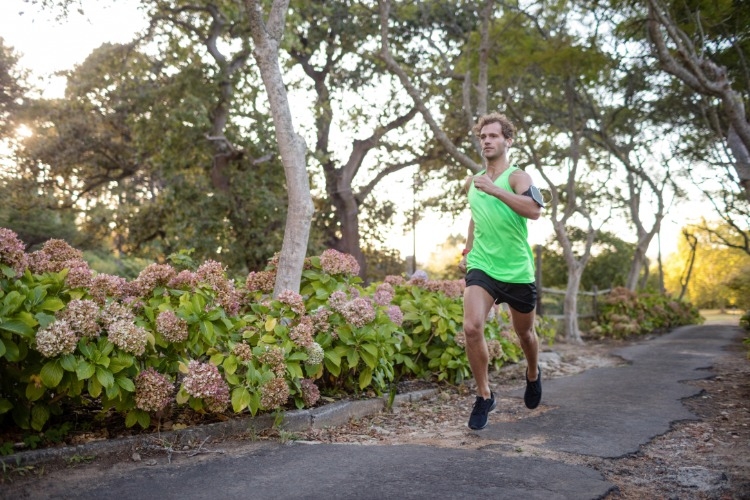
473, 330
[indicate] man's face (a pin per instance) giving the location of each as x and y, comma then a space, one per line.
493, 142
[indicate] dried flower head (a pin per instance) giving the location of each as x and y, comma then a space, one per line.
153, 390
358, 312
395, 314
302, 333
12, 251
294, 300
274, 359
105, 286
261, 281
153, 276
171, 327
55, 339
310, 392
243, 351
495, 349
335, 262
320, 319
384, 294
204, 381
274, 393
128, 336
315, 354
83, 317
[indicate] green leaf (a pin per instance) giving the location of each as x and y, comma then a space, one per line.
297, 356
131, 418
254, 403
334, 357
182, 396
105, 377
230, 365
52, 304
352, 357
39, 417
33, 392
51, 374
207, 329
217, 359
12, 351
365, 378
18, 327
2, 348
268, 339
144, 419
68, 362
94, 387
334, 368
113, 392
85, 370
240, 399
126, 384
5, 406
44, 319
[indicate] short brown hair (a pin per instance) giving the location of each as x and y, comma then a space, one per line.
509, 130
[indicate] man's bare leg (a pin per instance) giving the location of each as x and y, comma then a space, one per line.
477, 305
523, 324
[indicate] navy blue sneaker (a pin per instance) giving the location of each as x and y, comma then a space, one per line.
533, 394
480, 412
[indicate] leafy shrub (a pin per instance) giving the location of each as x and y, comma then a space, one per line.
183, 333
623, 313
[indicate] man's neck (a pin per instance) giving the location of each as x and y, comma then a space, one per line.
497, 166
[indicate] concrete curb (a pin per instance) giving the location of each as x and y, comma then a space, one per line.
333, 414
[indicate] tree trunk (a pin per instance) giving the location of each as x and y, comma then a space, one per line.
570, 305
291, 145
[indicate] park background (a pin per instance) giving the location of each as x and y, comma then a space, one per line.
230, 201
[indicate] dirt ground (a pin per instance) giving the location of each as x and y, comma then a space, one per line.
705, 459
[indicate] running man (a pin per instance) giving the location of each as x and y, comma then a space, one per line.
499, 260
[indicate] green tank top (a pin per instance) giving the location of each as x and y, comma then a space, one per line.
501, 248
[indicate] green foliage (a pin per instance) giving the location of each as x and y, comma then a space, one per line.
624, 313
745, 321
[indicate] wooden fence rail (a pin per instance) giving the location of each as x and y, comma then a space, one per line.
549, 305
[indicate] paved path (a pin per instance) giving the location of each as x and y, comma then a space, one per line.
603, 412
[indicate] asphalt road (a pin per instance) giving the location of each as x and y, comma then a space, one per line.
602, 412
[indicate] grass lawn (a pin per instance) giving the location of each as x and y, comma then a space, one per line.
716, 317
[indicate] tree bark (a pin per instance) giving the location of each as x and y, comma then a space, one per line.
704, 77
267, 36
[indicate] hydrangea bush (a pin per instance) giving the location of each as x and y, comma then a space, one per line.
624, 313
186, 334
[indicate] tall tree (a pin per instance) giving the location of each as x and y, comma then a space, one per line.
267, 34
692, 58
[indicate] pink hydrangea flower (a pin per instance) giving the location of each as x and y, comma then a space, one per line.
294, 300
302, 333
274, 359
55, 339
204, 381
396, 315
12, 251
310, 392
384, 294
358, 312
171, 327
83, 317
335, 262
274, 393
153, 390
261, 281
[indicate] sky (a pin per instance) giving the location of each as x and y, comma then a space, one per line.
46, 46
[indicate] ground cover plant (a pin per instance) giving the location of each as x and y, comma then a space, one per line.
183, 334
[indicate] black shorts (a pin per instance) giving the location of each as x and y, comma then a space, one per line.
519, 296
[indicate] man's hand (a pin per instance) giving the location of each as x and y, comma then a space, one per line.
462, 264
484, 183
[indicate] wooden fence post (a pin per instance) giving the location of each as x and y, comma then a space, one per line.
596, 302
